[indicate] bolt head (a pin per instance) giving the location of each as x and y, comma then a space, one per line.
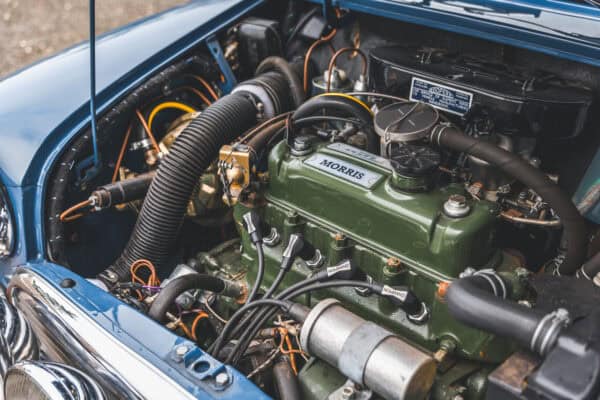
394, 263
456, 206
222, 379
181, 350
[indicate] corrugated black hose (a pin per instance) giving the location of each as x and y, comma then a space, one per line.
163, 210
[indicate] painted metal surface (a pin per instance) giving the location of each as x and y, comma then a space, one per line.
374, 226
360, 199
564, 29
99, 333
48, 100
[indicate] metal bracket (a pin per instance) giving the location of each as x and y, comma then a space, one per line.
217, 52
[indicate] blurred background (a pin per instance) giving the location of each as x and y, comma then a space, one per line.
33, 29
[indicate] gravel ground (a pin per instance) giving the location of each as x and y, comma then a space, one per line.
32, 29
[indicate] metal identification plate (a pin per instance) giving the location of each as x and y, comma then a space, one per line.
361, 154
344, 170
445, 98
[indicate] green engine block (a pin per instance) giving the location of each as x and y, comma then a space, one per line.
350, 204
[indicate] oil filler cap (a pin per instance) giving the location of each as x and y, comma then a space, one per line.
414, 160
405, 122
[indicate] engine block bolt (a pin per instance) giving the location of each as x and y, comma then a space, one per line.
293, 218
340, 240
393, 265
456, 206
222, 379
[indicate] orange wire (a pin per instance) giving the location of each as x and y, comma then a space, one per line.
206, 86
340, 52
199, 94
141, 263
185, 330
288, 342
201, 315
318, 42
65, 215
148, 131
152, 279
121, 154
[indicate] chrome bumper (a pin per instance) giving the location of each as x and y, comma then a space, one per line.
67, 335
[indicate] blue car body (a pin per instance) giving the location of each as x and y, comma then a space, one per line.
43, 106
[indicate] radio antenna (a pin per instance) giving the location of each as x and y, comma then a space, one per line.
93, 83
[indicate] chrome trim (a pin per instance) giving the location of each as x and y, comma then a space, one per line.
55, 381
67, 335
17, 341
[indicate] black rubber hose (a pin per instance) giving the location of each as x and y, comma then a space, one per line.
280, 65
286, 381
164, 207
471, 301
167, 295
590, 268
517, 167
124, 191
338, 106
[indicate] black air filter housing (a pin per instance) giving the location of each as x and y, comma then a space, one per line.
520, 101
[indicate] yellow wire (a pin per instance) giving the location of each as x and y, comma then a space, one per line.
347, 96
168, 104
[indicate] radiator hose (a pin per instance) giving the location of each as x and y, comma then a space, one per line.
166, 297
479, 301
515, 166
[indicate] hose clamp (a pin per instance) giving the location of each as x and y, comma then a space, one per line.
548, 329
496, 282
439, 129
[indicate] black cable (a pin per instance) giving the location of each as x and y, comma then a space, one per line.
276, 282
250, 333
326, 118
260, 273
239, 313
216, 347
301, 22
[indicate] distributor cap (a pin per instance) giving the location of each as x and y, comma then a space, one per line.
414, 160
405, 122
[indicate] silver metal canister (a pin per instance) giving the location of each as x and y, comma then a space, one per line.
367, 353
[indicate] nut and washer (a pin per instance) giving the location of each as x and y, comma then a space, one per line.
273, 239
456, 206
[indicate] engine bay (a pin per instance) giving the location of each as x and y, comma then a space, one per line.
376, 210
